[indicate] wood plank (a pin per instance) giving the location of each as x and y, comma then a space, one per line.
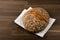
43, 2
13, 2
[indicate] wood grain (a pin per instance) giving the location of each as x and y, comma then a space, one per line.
10, 9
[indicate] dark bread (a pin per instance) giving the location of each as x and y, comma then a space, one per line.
36, 19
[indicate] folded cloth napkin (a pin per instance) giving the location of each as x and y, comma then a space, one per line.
42, 33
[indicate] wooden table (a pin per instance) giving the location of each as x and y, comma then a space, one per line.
10, 9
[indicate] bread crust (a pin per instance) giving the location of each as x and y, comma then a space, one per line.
36, 19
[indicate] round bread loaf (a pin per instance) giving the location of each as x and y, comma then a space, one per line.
36, 19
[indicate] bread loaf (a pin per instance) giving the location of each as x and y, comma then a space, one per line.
36, 19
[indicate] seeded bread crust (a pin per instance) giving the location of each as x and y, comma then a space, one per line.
36, 19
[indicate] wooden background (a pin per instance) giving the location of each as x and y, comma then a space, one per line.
10, 9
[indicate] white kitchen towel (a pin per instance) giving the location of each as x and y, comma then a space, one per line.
42, 33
